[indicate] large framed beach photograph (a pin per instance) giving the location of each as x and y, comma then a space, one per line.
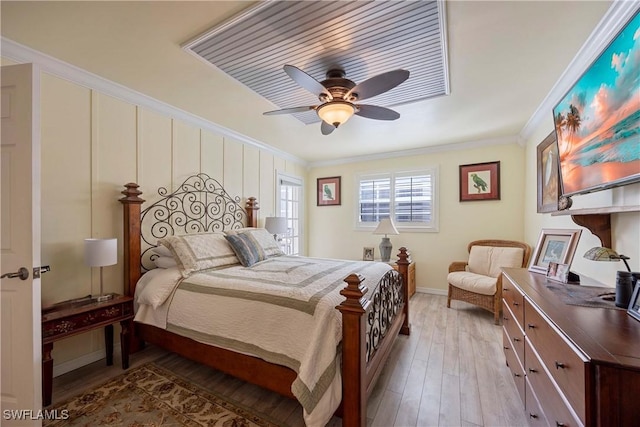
597, 122
554, 245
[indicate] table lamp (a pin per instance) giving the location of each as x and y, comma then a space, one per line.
276, 225
386, 227
606, 254
101, 253
624, 279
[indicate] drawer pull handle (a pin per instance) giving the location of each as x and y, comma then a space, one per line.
515, 374
559, 424
559, 365
516, 304
533, 371
505, 347
531, 326
534, 416
516, 339
505, 318
505, 289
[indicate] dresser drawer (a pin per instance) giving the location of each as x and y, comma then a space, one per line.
533, 408
514, 364
515, 334
514, 299
556, 410
565, 365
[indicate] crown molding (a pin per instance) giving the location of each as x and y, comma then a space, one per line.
23, 54
608, 27
419, 151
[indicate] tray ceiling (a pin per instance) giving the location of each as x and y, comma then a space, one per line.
364, 38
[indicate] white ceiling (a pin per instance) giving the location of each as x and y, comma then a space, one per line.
504, 58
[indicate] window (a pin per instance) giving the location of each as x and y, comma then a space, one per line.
409, 198
289, 205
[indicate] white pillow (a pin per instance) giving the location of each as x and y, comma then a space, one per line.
197, 252
160, 286
165, 262
161, 250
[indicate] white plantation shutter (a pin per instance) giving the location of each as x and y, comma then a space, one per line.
409, 197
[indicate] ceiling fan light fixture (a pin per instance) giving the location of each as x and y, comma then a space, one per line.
336, 112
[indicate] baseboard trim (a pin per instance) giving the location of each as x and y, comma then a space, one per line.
84, 360
432, 291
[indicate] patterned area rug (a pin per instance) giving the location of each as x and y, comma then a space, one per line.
150, 396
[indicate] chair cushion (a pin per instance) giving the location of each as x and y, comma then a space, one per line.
473, 282
487, 260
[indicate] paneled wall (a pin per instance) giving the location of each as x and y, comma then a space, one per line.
92, 144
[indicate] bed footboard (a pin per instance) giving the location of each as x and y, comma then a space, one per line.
361, 365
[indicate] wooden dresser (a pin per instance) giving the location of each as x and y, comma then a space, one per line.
572, 365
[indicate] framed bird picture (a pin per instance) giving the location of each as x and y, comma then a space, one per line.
480, 181
329, 191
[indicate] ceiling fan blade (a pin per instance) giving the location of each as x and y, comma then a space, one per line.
378, 84
306, 81
289, 110
326, 128
377, 113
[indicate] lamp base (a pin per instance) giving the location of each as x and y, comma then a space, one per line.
385, 249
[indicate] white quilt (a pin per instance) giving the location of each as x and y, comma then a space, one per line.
282, 310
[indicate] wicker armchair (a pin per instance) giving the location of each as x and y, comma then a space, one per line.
479, 280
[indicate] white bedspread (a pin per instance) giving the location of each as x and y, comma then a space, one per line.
282, 310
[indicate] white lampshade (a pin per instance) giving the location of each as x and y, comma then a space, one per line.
336, 112
276, 225
100, 252
385, 227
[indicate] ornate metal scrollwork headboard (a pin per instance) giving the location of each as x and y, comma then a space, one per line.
200, 204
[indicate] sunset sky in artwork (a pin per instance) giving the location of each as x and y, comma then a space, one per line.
609, 90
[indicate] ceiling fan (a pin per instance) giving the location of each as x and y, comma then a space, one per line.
339, 96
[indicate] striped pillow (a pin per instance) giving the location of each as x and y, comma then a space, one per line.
247, 248
263, 238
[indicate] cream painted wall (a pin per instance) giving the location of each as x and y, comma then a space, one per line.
625, 234
92, 144
332, 228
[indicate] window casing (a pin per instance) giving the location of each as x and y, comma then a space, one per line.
289, 205
408, 197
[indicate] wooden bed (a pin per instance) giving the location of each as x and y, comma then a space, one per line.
201, 204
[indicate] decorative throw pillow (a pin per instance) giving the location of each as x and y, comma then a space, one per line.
165, 262
161, 250
196, 252
247, 248
263, 238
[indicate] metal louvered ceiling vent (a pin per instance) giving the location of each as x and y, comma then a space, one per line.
363, 38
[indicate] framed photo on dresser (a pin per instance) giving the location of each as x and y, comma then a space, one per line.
634, 304
554, 245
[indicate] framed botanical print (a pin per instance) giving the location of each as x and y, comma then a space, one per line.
329, 191
480, 181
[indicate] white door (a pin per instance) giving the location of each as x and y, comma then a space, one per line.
20, 327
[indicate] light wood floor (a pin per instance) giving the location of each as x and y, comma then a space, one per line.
449, 372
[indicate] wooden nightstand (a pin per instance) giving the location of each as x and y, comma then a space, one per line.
412, 276
74, 317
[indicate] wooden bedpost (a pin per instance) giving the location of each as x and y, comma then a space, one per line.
354, 395
132, 271
403, 268
131, 206
252, 212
